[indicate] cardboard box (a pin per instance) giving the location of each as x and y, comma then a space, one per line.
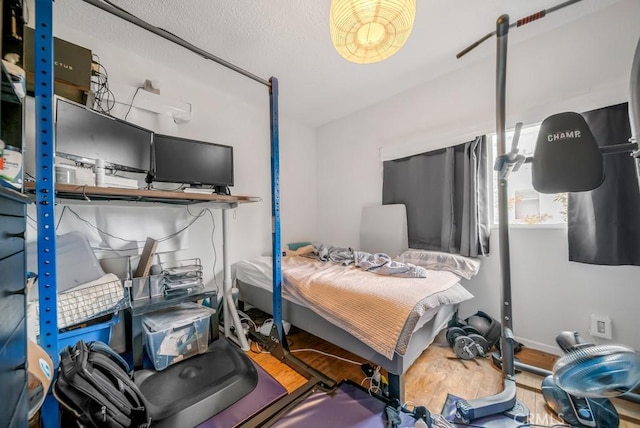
40, 375
72, 67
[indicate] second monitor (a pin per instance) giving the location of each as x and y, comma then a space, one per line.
198, 163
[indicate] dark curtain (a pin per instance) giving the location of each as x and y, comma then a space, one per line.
604, 224
446, 195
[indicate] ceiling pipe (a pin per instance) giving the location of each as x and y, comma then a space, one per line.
121, 13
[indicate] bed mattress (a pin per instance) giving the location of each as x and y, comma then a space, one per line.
382, 312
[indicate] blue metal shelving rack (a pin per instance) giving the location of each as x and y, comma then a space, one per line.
45, 196
45, 185
45, 189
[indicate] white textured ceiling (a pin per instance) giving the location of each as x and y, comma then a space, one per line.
289, 39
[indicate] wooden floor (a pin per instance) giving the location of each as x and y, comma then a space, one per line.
434, 374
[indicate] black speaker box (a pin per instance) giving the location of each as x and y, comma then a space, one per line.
72, 67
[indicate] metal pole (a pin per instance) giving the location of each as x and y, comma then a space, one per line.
505, 401
173, 38
619, 148
45, 195
503, 198
275, 209
45, 185
634, 108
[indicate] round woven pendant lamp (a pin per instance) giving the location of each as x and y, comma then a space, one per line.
367, 31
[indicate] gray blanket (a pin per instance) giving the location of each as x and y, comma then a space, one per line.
378, 263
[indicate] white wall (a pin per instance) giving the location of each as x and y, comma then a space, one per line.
581, 66
218, 116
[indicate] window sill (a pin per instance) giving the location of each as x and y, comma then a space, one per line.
561, 226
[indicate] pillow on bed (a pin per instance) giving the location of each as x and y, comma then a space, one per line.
464, 267
298, 250
293, 246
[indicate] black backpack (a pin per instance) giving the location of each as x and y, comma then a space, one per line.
94, 385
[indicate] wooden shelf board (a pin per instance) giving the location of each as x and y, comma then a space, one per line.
78, 192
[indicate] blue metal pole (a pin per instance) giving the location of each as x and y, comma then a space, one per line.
45, 193
275, 207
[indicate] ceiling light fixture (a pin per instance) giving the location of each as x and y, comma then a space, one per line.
368, 31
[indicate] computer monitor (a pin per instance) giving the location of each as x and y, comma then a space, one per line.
198, 163
85, 135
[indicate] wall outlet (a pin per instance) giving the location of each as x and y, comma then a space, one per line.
600, 326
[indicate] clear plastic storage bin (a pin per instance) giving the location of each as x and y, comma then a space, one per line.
176, 333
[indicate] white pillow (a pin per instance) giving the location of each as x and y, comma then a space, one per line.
464, 267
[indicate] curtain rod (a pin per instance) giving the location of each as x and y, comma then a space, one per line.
175, 39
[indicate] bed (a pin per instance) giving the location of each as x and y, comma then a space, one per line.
369, 330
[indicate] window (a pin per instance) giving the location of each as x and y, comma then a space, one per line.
526, 205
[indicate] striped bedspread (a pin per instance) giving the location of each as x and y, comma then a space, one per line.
381, 311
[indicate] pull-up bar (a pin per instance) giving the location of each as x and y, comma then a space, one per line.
173, 38
519, 23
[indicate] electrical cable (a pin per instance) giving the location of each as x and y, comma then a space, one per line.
105, 99
84, 193
374, 387
91, 225
131, 104
248, 318
375, 382
64, 208
326, 354
259, 348
35, 223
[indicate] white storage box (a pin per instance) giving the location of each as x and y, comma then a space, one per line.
177, 333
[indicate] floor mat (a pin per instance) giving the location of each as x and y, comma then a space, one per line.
191, 391
265, 393
348, 406
493, 421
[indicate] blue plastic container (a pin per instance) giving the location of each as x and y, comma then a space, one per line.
101, 332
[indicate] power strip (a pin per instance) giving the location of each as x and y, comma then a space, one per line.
203, 191
84, 177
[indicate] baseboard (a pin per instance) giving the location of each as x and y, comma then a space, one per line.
553, 350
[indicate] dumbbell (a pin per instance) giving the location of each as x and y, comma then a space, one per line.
467, 343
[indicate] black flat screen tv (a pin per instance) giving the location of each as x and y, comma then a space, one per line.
198, 163
85, 135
